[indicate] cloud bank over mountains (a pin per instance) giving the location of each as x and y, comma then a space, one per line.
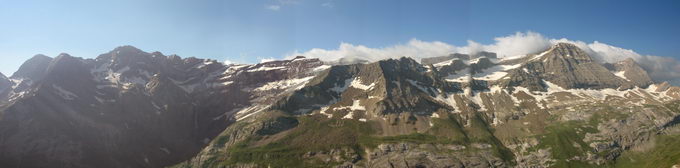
520, 43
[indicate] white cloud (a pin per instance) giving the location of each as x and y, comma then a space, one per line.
263, 60
328, 4
520, 43
285, 2
278, 4
227, 62
414, 48
274, 7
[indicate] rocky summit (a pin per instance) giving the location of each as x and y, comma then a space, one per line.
131, 108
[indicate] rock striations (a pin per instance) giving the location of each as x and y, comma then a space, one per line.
130, 108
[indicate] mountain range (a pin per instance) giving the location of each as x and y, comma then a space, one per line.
130, 108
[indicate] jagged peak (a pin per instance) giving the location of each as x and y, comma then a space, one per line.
127, 48
567, 51
400, 64
157, 53
300, 57
564, 45
126, 53
403, 59
64, 55
40, 56
486, 54
628, 62
122, 51
663, 86
63, 59
33, 67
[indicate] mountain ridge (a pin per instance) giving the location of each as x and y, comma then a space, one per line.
457, 111
477, 112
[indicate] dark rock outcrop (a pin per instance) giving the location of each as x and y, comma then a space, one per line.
5, 86
117, 110
434, 60
34, 68
486, 54
453, 68
453, 111
631, 72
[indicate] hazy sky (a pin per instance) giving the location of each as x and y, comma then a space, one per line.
246, 31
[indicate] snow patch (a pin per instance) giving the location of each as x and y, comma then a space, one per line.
356, 83
460, 76
265, 68
477, 99
249, 111
323, 111
341, 88
449, 99
355, 107
321, 68
445, 63
495, 73
226, 83
621, 74
285, 84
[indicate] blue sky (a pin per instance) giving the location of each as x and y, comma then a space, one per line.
246, 31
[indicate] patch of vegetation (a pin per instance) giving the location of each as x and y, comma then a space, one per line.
317, 133
607, 113
314, 133
665, 153
447, 131
565, 141
277, 125
674, 106
221, 141
480, 132
418, 138
208, 162
449, 127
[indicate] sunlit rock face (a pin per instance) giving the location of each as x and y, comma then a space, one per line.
130, 108
512, 112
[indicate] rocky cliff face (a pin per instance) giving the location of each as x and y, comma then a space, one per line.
34, 68
5, 86
557, 108
130, 108
629, 70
